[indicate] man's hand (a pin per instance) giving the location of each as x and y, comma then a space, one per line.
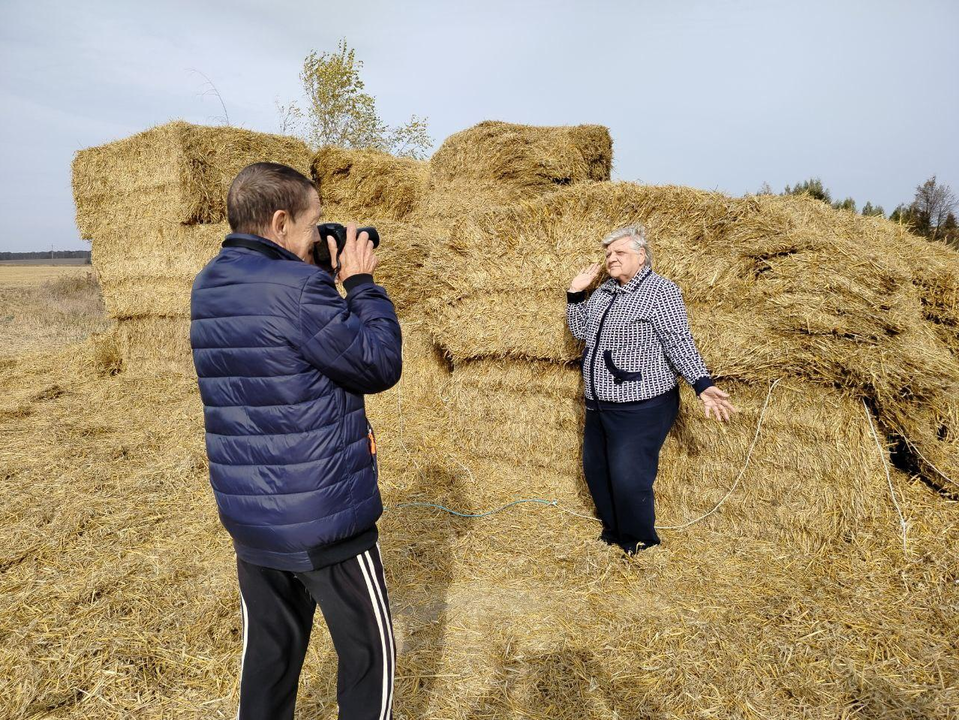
715, 400
586, 276
357, 257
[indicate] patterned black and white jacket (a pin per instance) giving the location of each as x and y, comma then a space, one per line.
638, 339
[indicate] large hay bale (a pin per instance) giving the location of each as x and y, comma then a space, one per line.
360, 185
524, 156
525, 416
155, 345
154, 205
174, 173
148, 270
409, 418
402, 256
495, 163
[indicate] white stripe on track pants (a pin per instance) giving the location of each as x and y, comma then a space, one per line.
278, 608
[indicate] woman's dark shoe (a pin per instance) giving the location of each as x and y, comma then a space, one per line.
609, 537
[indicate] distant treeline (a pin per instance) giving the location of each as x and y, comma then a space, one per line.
46, 255
932, 213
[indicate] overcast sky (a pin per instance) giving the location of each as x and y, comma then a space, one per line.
720, 94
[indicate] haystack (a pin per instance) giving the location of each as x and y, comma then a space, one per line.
361, 185
155, 207
178, 173
497, 163
524, 156
155, 345
774, 286
148, 271
804, 594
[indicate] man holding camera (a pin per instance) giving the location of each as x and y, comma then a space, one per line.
283, 362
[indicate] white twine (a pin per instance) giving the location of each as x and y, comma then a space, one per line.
739, 477
886, 469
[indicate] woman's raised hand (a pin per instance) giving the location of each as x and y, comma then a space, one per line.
586, 276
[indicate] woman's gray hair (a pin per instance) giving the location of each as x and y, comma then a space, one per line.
638, 233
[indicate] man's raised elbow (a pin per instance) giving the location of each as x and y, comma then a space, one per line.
394, 376
390, 377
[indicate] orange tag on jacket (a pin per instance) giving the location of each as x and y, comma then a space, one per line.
373, 443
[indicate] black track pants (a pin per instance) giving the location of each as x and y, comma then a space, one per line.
278, 609
621, 453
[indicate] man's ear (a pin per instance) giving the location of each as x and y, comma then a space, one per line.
278, 223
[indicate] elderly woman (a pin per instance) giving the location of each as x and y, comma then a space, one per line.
638, 340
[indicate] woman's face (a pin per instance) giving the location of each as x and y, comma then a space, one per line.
623, 261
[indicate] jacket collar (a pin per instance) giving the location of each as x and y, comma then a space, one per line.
261, 245
613, 287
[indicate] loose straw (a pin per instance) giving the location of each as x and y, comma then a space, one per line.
555, 503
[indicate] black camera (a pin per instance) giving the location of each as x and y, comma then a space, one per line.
321, 250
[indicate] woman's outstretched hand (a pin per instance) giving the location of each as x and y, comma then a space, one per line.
715, 401
586, 276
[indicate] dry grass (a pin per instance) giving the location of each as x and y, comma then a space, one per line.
45, 307
17, 274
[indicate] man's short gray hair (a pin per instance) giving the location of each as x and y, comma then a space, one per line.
638, 233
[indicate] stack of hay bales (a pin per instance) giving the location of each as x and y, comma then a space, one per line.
479, 245
154, 205
373, 188
776, 287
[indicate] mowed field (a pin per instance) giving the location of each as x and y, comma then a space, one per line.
43, 307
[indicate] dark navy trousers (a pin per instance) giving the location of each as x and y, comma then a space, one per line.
621, 453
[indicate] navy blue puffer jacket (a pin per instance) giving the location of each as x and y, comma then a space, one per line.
283, 363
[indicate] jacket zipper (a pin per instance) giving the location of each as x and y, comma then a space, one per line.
593, 355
